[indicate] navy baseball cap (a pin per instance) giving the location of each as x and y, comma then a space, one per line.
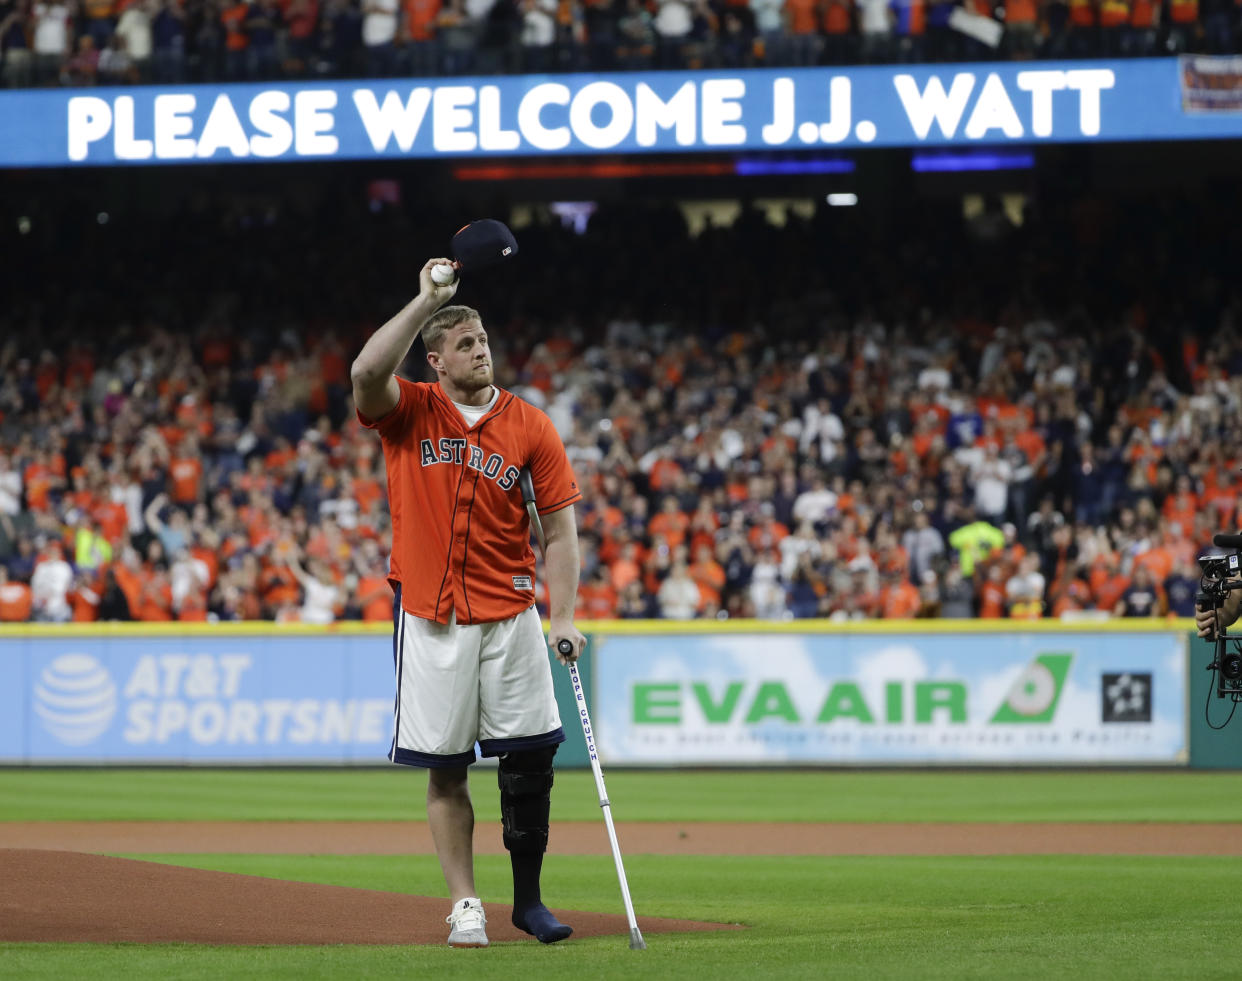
483, 243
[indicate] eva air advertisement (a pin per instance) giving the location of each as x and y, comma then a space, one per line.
1090, 698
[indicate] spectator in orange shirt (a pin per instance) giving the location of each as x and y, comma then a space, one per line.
704, 523
671, 522
626, 568
899, 599
131, 576
1144, 20
40, 479
111, 517
85, 597
278, 587
597, 599
1071, 592
664, 472
185, 472
15, 600
768, 532
301, 16
1157, 560
1082, 28
1183, 24
992, 594
193, 608
1021, 28
420, 56
233, 20
802, 25
79, 496
709, 576
371, 597
1180, 547
155, 602
839, 43
1182, 506
1110, 587
367, 490
206, 547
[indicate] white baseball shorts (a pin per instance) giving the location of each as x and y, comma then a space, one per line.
489, 683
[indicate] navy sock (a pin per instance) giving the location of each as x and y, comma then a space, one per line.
529, 913
539, 921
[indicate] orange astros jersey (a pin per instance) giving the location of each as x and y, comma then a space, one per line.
460, 532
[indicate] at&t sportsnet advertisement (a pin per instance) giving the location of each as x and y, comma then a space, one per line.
198, 699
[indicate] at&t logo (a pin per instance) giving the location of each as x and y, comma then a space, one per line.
75, 698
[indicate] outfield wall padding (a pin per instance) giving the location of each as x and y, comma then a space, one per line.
661, 693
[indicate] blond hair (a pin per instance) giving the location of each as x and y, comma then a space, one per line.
444, 320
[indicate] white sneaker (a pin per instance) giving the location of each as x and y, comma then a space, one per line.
468, 924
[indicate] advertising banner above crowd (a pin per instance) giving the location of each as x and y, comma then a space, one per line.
622, 113
869, 699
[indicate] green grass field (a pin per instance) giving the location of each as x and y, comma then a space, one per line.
396, 794
806, 917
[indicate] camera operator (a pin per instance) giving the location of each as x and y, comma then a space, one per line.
1209, 621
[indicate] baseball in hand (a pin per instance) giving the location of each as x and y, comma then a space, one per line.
443, 274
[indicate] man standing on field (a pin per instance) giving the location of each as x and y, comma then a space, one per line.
470, 656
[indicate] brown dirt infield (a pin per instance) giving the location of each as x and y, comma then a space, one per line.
71, 896
50, 890
648, 837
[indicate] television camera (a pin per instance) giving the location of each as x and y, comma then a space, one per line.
1222, 574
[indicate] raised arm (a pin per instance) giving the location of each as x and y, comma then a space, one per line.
375, 387
293, 564
151, 514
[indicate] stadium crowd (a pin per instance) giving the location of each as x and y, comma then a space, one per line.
85, 42
912, 414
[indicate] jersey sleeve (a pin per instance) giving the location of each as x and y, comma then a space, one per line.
556, 486
396, 421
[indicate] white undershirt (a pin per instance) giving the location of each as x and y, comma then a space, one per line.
473, 413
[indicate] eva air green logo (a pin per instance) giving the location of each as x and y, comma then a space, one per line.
1033, 698
1034, 695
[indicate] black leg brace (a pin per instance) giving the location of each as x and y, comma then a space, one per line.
525, 780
